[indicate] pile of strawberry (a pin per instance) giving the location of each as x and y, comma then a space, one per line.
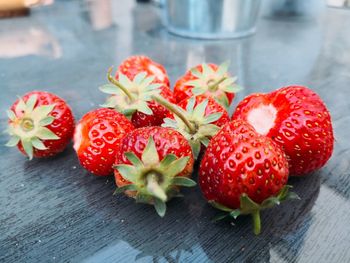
151, 136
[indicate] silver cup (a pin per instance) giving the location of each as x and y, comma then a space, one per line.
211, 19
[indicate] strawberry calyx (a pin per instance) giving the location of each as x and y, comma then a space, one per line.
155, 181
28, 123
129, 96
249, 207
215, 82
192, 122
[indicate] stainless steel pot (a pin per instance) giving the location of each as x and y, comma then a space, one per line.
211, 19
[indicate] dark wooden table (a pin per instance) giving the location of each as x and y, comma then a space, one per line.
54, 211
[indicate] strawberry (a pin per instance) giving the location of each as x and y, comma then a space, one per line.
196, 118
209, 80
296, 118
132, 97
243, 172
41, 124
135, 64
151, 163
96, 137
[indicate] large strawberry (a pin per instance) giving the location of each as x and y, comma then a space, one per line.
209, 80
96, 137
196, 118
296, 118
243, 172
132, 97
135, 64
41, 124
151, 163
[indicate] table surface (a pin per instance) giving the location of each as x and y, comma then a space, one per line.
54, 211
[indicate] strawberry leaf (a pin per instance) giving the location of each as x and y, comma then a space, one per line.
160, 207
129, 187
128, 172
14, 140
183, 181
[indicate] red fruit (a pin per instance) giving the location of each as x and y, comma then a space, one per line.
296, 118
41, 124
151, 163
132, 97
197, 119
209, 80
135, 64
96, 137
241, 169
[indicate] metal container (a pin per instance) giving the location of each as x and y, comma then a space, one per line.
211, 19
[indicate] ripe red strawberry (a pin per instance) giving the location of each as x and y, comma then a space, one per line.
196, 118
41, 124
135, 64
207, 79
96, 137
151, 163
296, 118
132, 97
243, 172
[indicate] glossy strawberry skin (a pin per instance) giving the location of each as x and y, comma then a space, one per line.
140, 119
303, 126
167, 141
96, 137
212, 107
137, 64
62, 126
238, 160
183, 91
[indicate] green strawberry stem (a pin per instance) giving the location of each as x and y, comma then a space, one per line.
214, 86
154, 187
256, 222
112, 80
175, 110
249, 207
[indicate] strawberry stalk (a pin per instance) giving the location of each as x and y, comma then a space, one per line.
177, 111
214, 86
112, 80
154, 188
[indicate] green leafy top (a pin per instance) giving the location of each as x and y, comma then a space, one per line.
192, 122
30, 127
248, 206
128, 96
214, 81
154, 180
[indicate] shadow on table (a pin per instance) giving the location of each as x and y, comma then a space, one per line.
186, 233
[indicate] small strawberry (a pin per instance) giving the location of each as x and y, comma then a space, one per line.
207, 79
243, 172
196, 118
96, 137
41, 124
135, 64
151, 163
296, 118
133, 98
